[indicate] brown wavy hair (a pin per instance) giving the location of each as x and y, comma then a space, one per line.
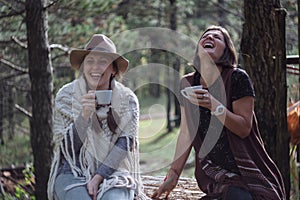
229, 57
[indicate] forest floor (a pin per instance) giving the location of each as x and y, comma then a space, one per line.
156, 154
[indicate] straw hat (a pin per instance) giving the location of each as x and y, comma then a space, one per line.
102, 44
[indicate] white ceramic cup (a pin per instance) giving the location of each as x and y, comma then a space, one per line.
103, 97
186, 92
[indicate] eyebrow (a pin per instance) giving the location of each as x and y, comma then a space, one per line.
207, 33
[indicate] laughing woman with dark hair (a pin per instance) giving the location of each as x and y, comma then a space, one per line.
218, 121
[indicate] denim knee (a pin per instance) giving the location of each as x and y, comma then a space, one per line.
236, 193
118, 193
62, 181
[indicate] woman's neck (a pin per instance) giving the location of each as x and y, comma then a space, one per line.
208, 77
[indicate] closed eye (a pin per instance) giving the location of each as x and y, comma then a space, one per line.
90, 61
217, 36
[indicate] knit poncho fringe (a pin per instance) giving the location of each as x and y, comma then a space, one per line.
97, 145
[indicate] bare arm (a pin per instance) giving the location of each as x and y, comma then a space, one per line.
183, 145
183, 149
240, 120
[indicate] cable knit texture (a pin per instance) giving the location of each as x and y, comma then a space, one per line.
98, 141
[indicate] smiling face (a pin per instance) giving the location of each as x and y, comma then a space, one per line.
213, 43
97, 70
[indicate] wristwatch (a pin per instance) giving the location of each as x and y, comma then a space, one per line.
220, 109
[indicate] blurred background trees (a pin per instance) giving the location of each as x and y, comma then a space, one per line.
71, 24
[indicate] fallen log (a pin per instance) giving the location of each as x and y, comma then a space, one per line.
186, 189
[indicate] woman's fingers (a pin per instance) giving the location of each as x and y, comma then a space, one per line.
88, 103
165, 188
93, 186
201, 99
201, 94
156, 194
88, 99
92, 190
159, 192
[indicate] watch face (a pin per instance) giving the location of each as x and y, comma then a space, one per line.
220, 109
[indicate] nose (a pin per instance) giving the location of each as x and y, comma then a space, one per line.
210, 36
95, 66
99, 66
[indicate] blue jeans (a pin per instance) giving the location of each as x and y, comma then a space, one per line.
236, 193
80, 192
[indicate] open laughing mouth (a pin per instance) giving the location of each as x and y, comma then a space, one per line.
96, 76
208, 45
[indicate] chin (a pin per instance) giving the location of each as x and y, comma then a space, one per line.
92, 86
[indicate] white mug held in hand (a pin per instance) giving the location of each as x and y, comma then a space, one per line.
103, 97
186, 92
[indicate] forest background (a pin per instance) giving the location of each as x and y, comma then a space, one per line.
144, 25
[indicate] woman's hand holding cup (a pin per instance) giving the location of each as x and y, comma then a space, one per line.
188, 92
197, 95
88, 104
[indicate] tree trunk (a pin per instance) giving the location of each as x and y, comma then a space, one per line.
221, 13
156, 55
1, 111
40, 73
298, 146
10, 113
176, 64
263, 51
168, 92
154, 87
176, 79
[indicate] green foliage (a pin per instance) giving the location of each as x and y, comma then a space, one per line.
291, 29
22, 191
71, 24
22, 194
73, 29
157, 148
293, 88
9, 197
15, 152
29, 175
146, 103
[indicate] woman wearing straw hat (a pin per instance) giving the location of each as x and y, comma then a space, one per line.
96, 147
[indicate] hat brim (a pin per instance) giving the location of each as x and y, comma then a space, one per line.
77, 56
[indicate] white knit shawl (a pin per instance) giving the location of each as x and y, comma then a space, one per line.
99, 141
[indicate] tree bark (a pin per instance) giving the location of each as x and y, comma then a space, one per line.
154, 87
176, 64
40, 72
1, 111
168, 92
221, 13
10, 113
298, 6
263, 51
